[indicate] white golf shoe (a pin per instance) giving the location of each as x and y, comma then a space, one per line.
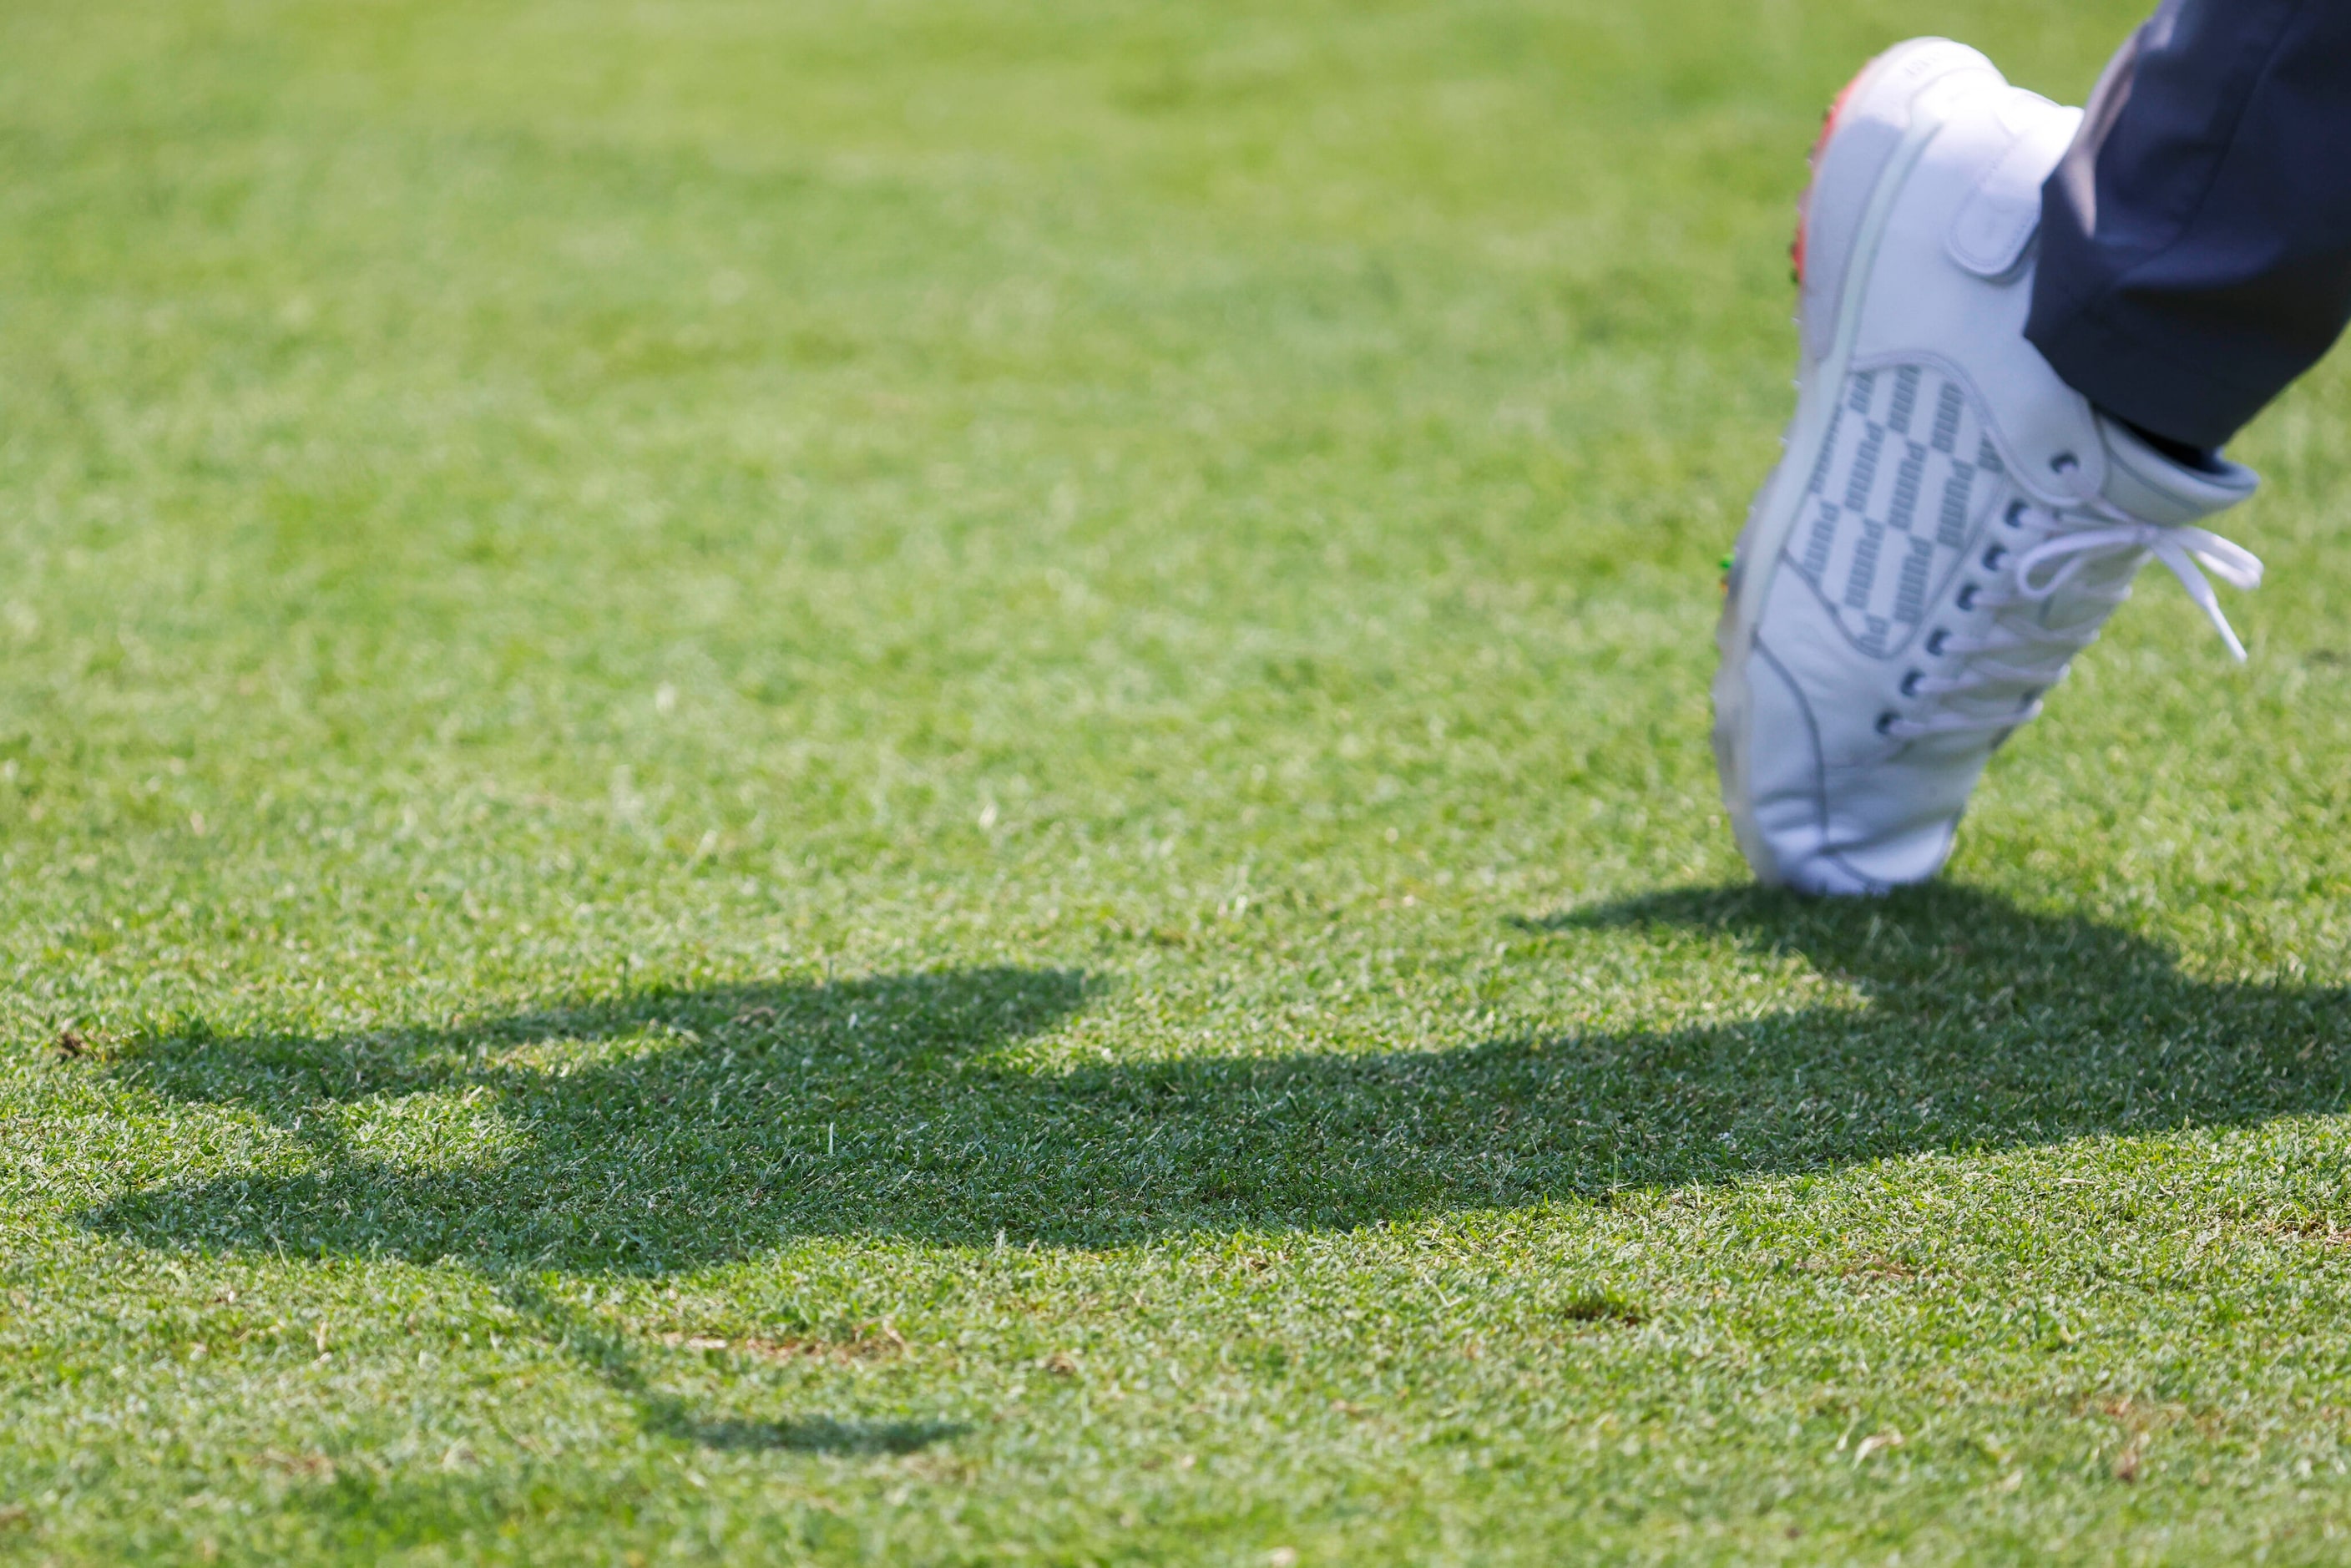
1949, 523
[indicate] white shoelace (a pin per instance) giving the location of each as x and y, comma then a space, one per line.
2109, 533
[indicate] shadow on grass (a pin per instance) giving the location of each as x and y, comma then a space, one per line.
617, 1359
825, 1437
672, 1130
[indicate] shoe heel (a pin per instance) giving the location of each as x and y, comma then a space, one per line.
1865, 124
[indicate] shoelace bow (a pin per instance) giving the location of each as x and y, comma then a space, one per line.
2107, 533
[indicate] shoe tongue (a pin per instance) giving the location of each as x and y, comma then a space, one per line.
2146, 485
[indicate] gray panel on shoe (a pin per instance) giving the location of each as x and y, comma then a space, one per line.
1892, 503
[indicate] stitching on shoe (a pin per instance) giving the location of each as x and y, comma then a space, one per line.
1813, 730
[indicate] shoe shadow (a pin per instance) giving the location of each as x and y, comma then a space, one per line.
672, 1130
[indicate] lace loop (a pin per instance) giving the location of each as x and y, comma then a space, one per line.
2179, 547
2075, 537
2089, 532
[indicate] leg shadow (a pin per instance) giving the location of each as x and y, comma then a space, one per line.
678, 1129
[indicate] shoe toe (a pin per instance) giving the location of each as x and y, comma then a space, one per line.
1835, 865
1825, 877
1875, 865
1858, 826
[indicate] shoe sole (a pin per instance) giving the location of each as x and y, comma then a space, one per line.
1899, 87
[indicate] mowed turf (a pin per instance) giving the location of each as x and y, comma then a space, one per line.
923, 781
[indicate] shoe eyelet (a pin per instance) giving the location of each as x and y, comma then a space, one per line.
2065, 463
1935, 641
1966, 597
1910, 682
1886, 721
2014, 516
1993, 556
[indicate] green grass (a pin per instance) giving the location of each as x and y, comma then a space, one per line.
924, 782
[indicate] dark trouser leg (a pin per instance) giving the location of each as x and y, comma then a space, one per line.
2196, 241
